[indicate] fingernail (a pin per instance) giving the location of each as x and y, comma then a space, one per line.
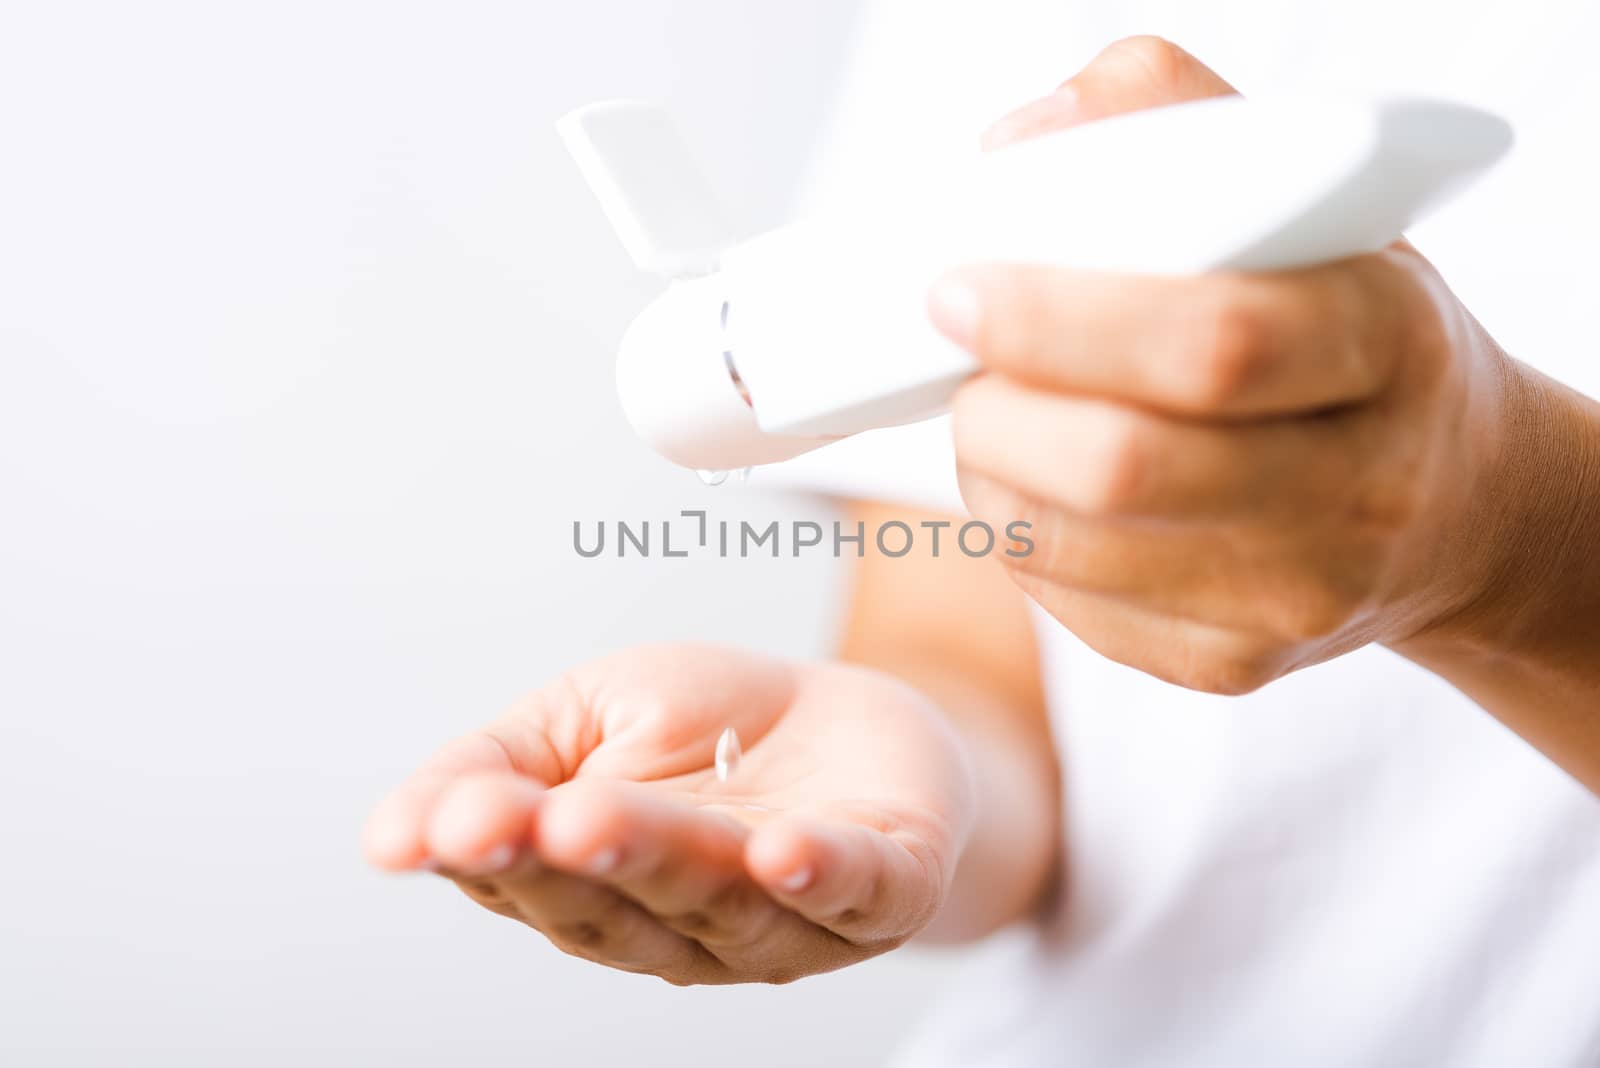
604, 861
428, 864
954, 307
796, 880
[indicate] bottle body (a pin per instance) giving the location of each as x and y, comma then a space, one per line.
819, 329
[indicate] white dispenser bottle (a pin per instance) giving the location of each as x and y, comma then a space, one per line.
765, 348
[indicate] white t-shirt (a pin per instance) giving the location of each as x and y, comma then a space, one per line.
1355, 865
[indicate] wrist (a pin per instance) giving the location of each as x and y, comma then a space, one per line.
1006, 862
1527, 575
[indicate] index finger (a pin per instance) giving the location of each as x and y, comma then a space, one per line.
519, 744
1232, 344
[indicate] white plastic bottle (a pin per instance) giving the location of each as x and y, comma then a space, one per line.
765, 348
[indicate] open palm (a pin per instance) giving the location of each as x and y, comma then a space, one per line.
592, 812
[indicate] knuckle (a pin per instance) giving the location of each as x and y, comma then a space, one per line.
732, 898
606, 931
783, 974
482, 890
735, 933
849, 916
1385, 509
1158, 59
986, 498
859, 909
1067, 563
1231, 672
1343, 312
698, 968
693, 922
1115, 477
734, 918
1232, 350
1315, 612
491, 899
1232, 677
1055, 554
577, 937
1415, 290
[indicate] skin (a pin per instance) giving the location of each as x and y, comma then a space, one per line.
1235, 476
1228, 478
591, 811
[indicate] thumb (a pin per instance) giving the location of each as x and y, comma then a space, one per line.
1132, 74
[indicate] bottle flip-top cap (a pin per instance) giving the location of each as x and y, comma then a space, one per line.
675, 374
679, 387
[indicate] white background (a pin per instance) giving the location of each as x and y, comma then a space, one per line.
305, 337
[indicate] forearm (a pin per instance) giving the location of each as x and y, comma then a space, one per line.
1527, 646
958, 630
1010, 862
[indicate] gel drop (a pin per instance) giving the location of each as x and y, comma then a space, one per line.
728, 754
717, 478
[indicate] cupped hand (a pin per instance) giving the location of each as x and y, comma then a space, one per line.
592, 812
1231, 476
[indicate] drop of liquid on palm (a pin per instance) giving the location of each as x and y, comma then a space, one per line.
729, 754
